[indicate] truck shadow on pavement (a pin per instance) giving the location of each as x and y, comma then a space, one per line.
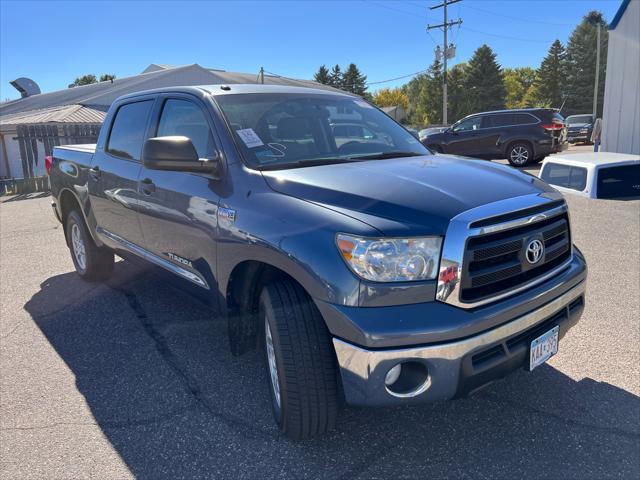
155, 369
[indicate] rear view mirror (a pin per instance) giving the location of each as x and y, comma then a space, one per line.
175, 153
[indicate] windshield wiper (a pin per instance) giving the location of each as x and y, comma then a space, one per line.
307, 163
383, 155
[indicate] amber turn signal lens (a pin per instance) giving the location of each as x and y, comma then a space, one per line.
346, 247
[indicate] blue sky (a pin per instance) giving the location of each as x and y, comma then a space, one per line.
54, 42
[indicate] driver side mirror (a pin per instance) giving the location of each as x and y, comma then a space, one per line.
176, 153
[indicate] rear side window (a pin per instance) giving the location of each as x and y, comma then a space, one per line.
502, 119
565, 176
184, 118
128, 130
524, 119
619, 182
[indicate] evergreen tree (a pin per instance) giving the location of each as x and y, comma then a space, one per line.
85, 80
335, 77
581, 65
458, 100
484, 83
353, 81
106, 77
322, 75
551, 77
431, 95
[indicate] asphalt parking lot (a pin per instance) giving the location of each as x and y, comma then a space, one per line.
133, 378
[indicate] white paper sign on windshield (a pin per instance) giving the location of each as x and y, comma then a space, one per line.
250, 138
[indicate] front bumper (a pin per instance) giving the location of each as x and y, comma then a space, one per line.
457, 367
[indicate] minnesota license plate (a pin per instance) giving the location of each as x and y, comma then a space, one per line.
543, 348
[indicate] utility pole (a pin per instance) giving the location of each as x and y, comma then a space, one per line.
262, 75
595, 87
445, 25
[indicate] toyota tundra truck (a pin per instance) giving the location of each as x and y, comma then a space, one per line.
367, 269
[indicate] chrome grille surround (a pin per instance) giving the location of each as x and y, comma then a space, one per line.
460, 230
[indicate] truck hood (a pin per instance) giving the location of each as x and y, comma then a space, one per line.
405, 196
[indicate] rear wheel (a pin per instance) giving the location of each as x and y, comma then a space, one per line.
300, 360
91, 261
519, 154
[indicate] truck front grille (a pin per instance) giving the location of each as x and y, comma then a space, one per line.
496, 263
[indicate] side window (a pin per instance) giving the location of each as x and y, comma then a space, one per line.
574, 178
184, 118
556, 174
468, 125
524, 118
578, 178
128, 130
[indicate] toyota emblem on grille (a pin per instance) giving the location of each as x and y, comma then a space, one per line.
534, 251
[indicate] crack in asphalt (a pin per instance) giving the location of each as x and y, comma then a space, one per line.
189, 383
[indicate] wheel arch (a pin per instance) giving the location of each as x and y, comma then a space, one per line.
242, 296
68, 201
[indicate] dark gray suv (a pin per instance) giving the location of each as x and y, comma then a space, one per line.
521, 136
364, 266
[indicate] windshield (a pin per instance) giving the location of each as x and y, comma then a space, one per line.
579, 119
285, 130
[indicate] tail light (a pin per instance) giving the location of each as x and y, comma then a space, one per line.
48, 163
553, 126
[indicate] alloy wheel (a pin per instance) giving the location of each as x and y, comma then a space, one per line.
77, 243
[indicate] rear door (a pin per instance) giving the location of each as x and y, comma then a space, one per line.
114, 174
178, 210
464, 137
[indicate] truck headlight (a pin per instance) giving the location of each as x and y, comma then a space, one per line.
584, 130
391, 259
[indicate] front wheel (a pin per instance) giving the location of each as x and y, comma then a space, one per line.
301, 365
91, 261
519, 154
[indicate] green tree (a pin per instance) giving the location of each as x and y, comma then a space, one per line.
431, 95
322, 75
85, 80
335, 77
484, 83
517, 82
581, 65
354, 81
106, 77
459, 102
551, 77
413, 89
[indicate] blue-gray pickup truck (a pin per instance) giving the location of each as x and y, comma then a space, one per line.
364, 266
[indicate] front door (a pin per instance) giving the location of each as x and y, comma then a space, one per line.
464, 136
114, 175
178, 210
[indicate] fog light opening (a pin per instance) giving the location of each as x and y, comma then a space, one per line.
407, 379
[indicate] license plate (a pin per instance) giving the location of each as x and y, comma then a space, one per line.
543, 348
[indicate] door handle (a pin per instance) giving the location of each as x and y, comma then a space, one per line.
147, 186
95, 172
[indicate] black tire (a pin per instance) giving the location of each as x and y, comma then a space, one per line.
519, 154
540, 159
96, 263
305, 362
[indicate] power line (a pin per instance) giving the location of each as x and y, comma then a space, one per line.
394, 9
378, 82
527, 20
508, 37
